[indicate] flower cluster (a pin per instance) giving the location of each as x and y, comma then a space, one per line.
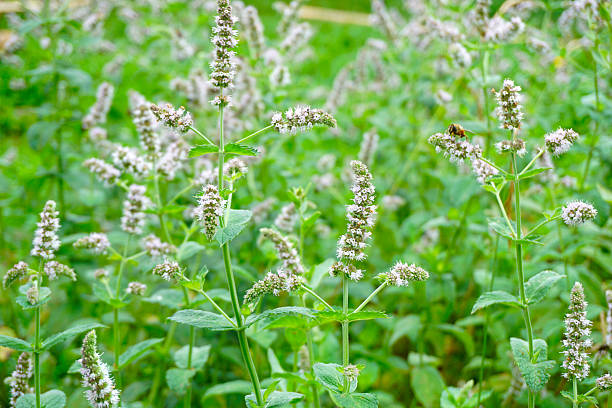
500, 30
560, 141
96, 242
32, 294
46, 241
155, 247
97, 113
516, 146
105, 172
287, 218
235, 168
168, 270
454, 148
224, 39
301, 118
16, 273
145, 123
369, 144
210, 208
101, 392
178, 119
54, 269
172, 159
361, 216
459, 55
253, 30
136, 288
604, 382
275, 283
392, 202
577, 212
351, 372
133, 218
101, 273
285, 249
381, 18
576, 342
19, 379
483, 170
128, 159
401, 274
509, 109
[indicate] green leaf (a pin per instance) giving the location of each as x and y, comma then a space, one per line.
137, 351
188, 249
240, 149
171, 298
40, 133
496, 297
50, 399
330, 376
179, 379
202, 319
275, 399
320, 271
201, 150
44, 295
355, 400
499, 226
533, 172
66, 334
236, 222
199, 357
289, 316
366, 315
538, 286
231, 387
309, 222
462, 335
536, 374
427, 385
14, 343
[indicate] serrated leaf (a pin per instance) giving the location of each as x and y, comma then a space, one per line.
275, 399
14, 343
240, 149
366, 315
50, 399
66, 334
537, 374
236, 221
199, 357
499, 226
288, 316
202, 319
231, 387
330, 376
533, 172
201, 150
179, 379
538, 286
44, 295
137, 351
358, 400
171, 298
496, 297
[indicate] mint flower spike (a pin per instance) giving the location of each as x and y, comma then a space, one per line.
18, 272
576, 342
509, 108
46, 241
19, 379
301, 119
577, 212
101, 392
210, 207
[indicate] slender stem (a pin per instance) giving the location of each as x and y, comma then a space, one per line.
503, 211
164, 352
187, 400
519, 268
490, 163
313, 387
374, 293
244, 139
242, 338
345, 328
575, 386
197, 132
218, 308
540, 225
319, 298
116, 334
540, 153
180, 193
37, 355
160, 214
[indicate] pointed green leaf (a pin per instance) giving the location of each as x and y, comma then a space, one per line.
202, 319
66, 334
536, 374
240, 149
538, 286
137, 351
201, 150
358, 400
236, 222
14, 343
179, 379
199, 356
496, 297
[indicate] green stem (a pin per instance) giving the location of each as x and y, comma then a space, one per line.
483, 70
231, 282
374, 293
37, 355
197, 132
540, 153
575, 386
244, 139
158, 371
313, 387
316, 296
116, 334
503, 211
187, 401
218, 308
345, 328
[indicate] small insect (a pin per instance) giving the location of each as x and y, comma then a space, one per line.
455, 129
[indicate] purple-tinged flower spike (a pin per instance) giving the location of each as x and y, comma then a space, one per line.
168, 270
483, 170
33, 294
287, 218
301, 119
285, 250
516, 146
609, 318
262, 209
500, 30
210, 207
280, 76
289, 16
46, 241
137, 202
604, 382
136, 288
576, 342
381, 18
224, 39
104, 172
509, 109
560, 141
235, 168
178, 119
460, 55
20, 378
54, 270
173, 159
129, 160
146, 125
480, 16
253, 31
97, 242
101, 392
392, 202
401, 274
16, 273
369, 144
577, 212
455, 149
99, 110
155, 247
274, 283
297, 37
